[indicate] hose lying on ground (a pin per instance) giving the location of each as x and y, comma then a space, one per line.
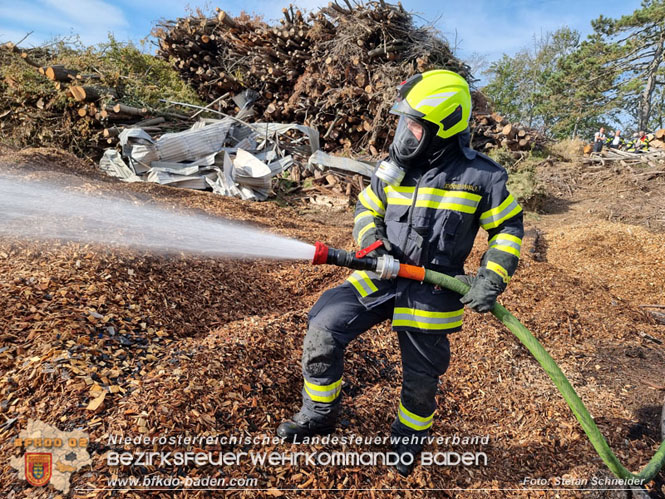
387, 267
562, 383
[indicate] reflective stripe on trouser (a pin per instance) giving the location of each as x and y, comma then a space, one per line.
425, 357
335, 320
412, 420
323, 393
362, 281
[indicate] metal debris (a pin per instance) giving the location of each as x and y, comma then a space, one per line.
228, 156
322, 160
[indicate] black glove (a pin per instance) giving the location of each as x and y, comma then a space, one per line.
378, 234
485, 287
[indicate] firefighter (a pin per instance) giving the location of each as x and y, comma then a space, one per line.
617, 141
631, 144
642, 143
425, 202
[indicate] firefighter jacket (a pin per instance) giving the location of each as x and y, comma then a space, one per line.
431, 220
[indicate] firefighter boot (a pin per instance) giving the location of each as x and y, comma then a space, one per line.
300, 426
407, 448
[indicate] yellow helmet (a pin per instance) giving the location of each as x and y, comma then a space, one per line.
439, 97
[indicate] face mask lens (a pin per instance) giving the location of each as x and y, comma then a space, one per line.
415, 129
408, 137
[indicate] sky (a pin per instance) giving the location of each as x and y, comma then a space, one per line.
485, 27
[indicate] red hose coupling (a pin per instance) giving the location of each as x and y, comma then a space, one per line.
320, 254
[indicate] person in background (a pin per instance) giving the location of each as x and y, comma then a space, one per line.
598, 140
643, 142
631, 145
617, 141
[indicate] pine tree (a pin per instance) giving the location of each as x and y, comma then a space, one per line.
634, 47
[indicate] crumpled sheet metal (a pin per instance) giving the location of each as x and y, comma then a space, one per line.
113, 165
269, 129
322, 160
199, 158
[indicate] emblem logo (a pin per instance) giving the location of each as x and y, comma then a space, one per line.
38, 466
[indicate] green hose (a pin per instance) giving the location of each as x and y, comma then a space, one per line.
562, 383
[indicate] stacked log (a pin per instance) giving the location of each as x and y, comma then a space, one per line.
492, 131
336, 70
77, 112
658, 139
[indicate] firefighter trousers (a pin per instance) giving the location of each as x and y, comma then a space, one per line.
334, 321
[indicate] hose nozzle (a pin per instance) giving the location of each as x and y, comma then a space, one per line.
320, 253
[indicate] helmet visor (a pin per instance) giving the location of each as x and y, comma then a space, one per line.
410, 137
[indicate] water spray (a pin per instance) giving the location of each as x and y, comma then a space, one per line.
37, 210
388, 268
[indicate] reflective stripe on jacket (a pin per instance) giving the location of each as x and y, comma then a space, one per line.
432, 220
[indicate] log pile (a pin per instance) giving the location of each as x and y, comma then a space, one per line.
657, 139
52, 104
492, 131
654, 157
335, 70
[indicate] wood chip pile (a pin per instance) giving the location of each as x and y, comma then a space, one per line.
176, 346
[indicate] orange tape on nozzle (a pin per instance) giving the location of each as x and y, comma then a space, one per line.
411, 272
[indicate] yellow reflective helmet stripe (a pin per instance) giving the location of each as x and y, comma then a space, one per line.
425, 319
507, 243
362, 282
372, 202
498, 269
412, 420
323, 393
496, 216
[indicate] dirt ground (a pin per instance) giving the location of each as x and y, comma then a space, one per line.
198, 346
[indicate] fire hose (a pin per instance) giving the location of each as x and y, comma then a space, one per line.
387, 267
